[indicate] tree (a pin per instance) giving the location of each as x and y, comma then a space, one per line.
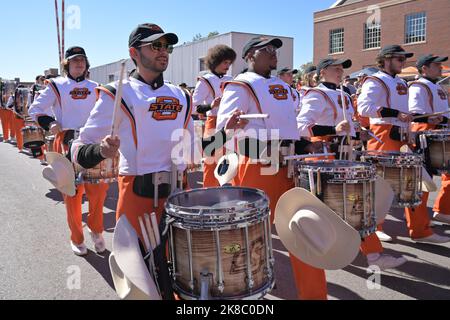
304, 66
197, 37
212, 34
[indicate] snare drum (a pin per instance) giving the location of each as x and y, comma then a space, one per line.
347, 187
438, 150
33, 137
220, 243
106, 171
403, 171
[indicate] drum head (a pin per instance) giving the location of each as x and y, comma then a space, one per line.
217, 206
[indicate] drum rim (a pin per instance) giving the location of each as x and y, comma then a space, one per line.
392, 157
215, 216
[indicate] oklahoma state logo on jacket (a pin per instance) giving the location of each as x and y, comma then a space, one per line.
165, 108
402, 89
278, 92
347, 102
80, 93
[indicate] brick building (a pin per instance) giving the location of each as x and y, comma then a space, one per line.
357, 29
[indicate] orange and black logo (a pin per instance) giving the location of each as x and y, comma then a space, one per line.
442, 94
402, 89
80, 93
347, 102
165, 108
278, 92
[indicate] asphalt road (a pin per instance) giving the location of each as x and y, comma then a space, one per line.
36, 261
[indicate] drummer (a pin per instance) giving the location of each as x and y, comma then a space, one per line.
426, 97
255, 91
19, 109
384, 99
206, 99
34, 93
70, 99
321, 118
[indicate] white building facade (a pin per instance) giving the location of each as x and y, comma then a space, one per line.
186, 61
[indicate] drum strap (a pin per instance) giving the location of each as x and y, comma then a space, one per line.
383, 85
430, 94
211, 88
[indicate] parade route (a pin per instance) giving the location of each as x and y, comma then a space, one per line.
36, 261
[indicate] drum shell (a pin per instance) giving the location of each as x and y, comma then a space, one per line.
221, 240
106, 171
438, 142
33, 137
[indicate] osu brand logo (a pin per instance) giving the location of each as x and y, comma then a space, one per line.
80, 93
165, 108
278, 92
347, 102
442, 94
402, 89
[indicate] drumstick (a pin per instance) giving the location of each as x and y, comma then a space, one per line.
151, 235
155, 228
144, 235
254, 116
372, 135
118, 99
344, 111
311, 155
430, 115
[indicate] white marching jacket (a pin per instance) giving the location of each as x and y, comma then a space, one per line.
427, 97
70, 102
381, 90
323, 106
254, 94
151, 126
207, 89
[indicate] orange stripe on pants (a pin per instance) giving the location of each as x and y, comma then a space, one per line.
209, 180
310, 282
416, 218
18, 125
442, 203
10, 123
134, 206
96, 194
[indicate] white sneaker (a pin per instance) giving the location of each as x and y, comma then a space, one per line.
433, 239
444, 218
99, 242
385, 261
383, 236
79, 249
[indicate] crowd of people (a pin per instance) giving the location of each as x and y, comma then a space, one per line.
307, 118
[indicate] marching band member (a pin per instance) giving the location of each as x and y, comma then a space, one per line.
20, 99
207, 96
321, 117
384, 99
308, 81
71, 99
426, 97
257, 92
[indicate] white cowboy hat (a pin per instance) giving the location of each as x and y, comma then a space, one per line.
130, 274
428, 184
384, 195
227, 168
60, 173
313, 232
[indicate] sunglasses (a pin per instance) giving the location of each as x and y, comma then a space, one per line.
399, 58
159, 46
269, 49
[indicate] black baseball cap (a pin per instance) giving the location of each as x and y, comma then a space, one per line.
260, 41
287, 70
346, 63
429, 58
148, 32
73, 52
310, 69
394, 49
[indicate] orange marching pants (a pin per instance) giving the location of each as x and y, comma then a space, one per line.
96, 194
19, 124
417, 218
442, 203
310, 282
4, 118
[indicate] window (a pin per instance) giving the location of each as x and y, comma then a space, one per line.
337, 41
372, 35
202, 64
415, 27
111, 78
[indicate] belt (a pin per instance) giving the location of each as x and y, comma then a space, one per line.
158, 185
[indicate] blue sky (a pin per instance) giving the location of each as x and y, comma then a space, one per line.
29, 40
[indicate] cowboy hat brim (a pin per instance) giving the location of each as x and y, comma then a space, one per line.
342, 252
428, 184
55, 159
227, 168
130, 274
